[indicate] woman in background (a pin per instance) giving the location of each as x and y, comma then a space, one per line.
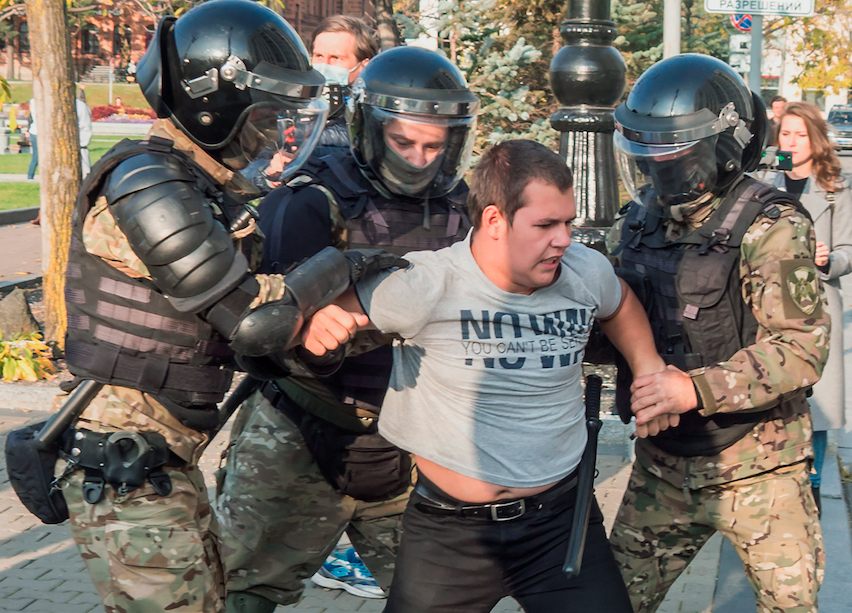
817, 182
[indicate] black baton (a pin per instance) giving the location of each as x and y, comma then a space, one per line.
245, 389
60, 421
586, 481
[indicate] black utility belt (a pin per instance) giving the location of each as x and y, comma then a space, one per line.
122, 459
435, 502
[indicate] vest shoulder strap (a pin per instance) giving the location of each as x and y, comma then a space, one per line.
124, 150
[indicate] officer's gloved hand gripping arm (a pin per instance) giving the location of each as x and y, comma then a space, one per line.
169, 224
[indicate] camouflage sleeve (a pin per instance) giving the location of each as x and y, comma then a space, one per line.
103, 238
613, 238
781, 285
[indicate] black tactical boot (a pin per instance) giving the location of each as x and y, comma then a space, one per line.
246, 602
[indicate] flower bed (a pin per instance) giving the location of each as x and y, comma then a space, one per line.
126, 114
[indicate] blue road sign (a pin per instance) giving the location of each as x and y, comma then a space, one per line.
741, 22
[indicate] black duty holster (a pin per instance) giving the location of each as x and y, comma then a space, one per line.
123, 459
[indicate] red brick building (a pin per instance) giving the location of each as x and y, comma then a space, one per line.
122, 35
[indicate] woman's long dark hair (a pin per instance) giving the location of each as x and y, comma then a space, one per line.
826, 164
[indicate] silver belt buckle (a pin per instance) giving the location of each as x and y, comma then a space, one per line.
519, 504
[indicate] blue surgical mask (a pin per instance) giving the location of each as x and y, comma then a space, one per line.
334, 74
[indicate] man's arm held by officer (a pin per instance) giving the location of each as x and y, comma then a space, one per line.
627, 328
629, 331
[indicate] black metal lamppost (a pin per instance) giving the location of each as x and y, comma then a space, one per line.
587, 78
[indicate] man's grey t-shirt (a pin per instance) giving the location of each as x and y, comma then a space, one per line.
485, 382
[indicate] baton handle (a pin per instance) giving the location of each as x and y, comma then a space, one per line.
60, 421
586, 480
240, 394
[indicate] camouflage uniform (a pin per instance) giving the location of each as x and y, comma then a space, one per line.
756, 491
279, 517
146, 552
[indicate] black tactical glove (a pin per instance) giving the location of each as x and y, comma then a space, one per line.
364, 263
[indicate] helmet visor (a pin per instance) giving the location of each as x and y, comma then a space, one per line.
678, 173
276, 140
417, 156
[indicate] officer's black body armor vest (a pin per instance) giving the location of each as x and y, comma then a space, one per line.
698, 316
122, 331
376, 222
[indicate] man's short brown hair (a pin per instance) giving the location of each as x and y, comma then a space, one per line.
365, 39
504, 172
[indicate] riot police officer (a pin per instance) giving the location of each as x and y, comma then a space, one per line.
160, 296
305, 461
738, 317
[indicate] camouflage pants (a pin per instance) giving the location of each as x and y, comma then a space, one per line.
278, 516
770, 519
148, 553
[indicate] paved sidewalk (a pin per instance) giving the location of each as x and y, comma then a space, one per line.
40, 569
20, 251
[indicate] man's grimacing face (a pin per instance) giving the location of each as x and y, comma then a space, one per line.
538, 236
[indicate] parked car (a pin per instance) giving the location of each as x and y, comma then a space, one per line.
840, 126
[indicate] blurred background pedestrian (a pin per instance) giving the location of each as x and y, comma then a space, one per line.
824, 192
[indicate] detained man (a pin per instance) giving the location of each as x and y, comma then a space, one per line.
486, 393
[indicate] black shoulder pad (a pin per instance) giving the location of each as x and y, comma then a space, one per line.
143, 171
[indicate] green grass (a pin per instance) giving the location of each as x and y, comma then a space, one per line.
97, 94
18, 195
18, 164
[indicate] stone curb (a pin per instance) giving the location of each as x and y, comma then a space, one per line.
22, 283
13, 216
28, 397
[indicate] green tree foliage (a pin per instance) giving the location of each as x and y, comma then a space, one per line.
822, 46
640, 29
5, 91
497, 67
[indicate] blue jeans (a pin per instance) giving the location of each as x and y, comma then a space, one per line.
820, 444
34, 161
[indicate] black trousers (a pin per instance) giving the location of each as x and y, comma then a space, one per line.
450, 564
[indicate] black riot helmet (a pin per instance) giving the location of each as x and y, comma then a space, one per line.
689, 127
412, 123
237, 79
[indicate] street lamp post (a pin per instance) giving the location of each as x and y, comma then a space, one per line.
587, 78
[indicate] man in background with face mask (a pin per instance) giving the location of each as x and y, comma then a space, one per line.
737, 315
306, 462
340, 48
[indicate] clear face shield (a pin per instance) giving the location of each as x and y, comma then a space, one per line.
678, 173
415, 155
276, 140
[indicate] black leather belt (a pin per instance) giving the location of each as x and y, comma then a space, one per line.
437, 503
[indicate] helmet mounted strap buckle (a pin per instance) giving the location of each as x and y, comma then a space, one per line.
729, 118
203, 85
231, 71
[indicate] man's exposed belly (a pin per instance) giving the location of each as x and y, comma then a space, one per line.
468, 489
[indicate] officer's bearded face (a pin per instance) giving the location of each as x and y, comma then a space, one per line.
419, 143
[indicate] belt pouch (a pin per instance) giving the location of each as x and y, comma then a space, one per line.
31, 473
